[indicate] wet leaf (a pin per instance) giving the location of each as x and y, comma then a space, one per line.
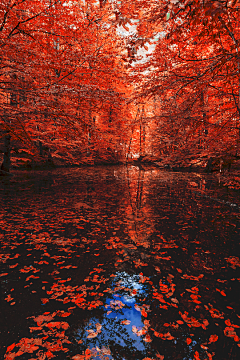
78, 357
147, 338
11, 347
92, 334
213, 338
160, 357
44, 300
3, 274
196, 355
134, 329
98, 327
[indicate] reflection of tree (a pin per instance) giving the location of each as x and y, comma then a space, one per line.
138, 213
114, 334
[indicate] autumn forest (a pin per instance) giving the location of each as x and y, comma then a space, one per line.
119, 179
89, 82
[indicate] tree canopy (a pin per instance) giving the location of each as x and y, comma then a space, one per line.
113, 79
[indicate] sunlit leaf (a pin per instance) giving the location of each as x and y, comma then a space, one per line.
147, 338
92, 334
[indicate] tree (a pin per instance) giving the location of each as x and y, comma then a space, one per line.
194, 70
65, 70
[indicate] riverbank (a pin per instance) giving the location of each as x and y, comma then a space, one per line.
228, 176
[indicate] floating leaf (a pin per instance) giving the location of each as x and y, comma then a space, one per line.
3, 274
98, 327
147, 338
134, 329
44, 300
92, 334
213, 338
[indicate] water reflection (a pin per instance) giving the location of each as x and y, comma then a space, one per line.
118, 263
121, 325
138, 212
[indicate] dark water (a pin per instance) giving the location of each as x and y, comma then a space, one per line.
117, 263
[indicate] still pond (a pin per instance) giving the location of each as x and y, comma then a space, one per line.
118, 263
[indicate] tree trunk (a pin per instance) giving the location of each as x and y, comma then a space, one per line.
40, 148
7, 150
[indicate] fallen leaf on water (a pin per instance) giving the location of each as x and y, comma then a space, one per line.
191, 277
229, 331
13, 266
92, 334
11, 347
168, 336
32, 277
146, 323
35, 328
49, 354
125, 322
221, 292
210, 355
3, 274
105, 351
42, 318
8, 298
228, 323
44, 301
98, 327
196, 355
234, 261
142, 331
188, 341
213, 338
63, 314
88, 352
134, 329
78, 357
147, 338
